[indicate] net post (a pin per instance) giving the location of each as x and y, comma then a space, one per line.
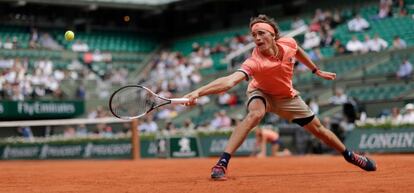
135, 140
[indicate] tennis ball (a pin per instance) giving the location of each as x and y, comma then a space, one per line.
69, 36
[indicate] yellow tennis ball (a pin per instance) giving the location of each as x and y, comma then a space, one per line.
69, 36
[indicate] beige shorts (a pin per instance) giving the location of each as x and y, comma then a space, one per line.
288, 108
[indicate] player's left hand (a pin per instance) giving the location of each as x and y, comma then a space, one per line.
326, 75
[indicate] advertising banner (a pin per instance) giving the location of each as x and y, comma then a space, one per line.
381, 140
214, 145
184, 147
29, 110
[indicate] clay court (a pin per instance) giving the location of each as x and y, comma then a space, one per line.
287, 174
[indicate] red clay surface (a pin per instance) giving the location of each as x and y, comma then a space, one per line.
288, 174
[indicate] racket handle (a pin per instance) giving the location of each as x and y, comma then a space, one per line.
180, 100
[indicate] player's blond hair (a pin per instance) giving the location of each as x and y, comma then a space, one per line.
265, 19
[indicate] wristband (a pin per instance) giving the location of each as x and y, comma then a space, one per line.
314, 70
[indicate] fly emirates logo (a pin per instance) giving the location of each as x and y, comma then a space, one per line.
43, 108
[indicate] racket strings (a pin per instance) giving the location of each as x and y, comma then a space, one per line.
133, 102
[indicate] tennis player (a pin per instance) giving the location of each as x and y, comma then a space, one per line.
265, 135
270, 69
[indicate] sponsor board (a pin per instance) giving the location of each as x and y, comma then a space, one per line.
380, 140
214, 145
21, 152
40, 109
183, 147
67, 151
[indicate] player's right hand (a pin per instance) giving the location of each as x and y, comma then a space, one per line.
192, 97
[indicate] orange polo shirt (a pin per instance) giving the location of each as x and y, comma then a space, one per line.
272, 75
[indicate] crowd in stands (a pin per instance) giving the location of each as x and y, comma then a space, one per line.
39, 77
21, 80
394, 116
323, 24
10, 44
19, 83
172, 72
43, 40
321, 29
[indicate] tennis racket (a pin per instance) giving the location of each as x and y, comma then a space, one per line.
134, 101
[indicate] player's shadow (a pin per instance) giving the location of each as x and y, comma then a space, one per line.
295, 174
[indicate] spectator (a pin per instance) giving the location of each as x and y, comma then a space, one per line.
350, 110
69, 132
119, 76
221, 120
148, 125
15, 42
48, 42
99, 112
313, 105
297, 23
240, 39
300, 68
358, 24
92, 114
170, 128
327, 39
17, 95
81, 92
195, 78
79, 46
396, 118
188, 125
34, 37
215, 123
339, 98
312, 40
405, 71
6, 63
367, 43
315, 26
325, 27
408, 117
319, 15
8, 44
26, 132
355, 46
339, 48
326, 122
384, 9
223, 98
336, 18
402, 10
315, 54
377, 44
81, 131
234, 99
46, 65
398, 43
107, 131
5, 91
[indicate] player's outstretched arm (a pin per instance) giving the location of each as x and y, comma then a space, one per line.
217, 86
304, 58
